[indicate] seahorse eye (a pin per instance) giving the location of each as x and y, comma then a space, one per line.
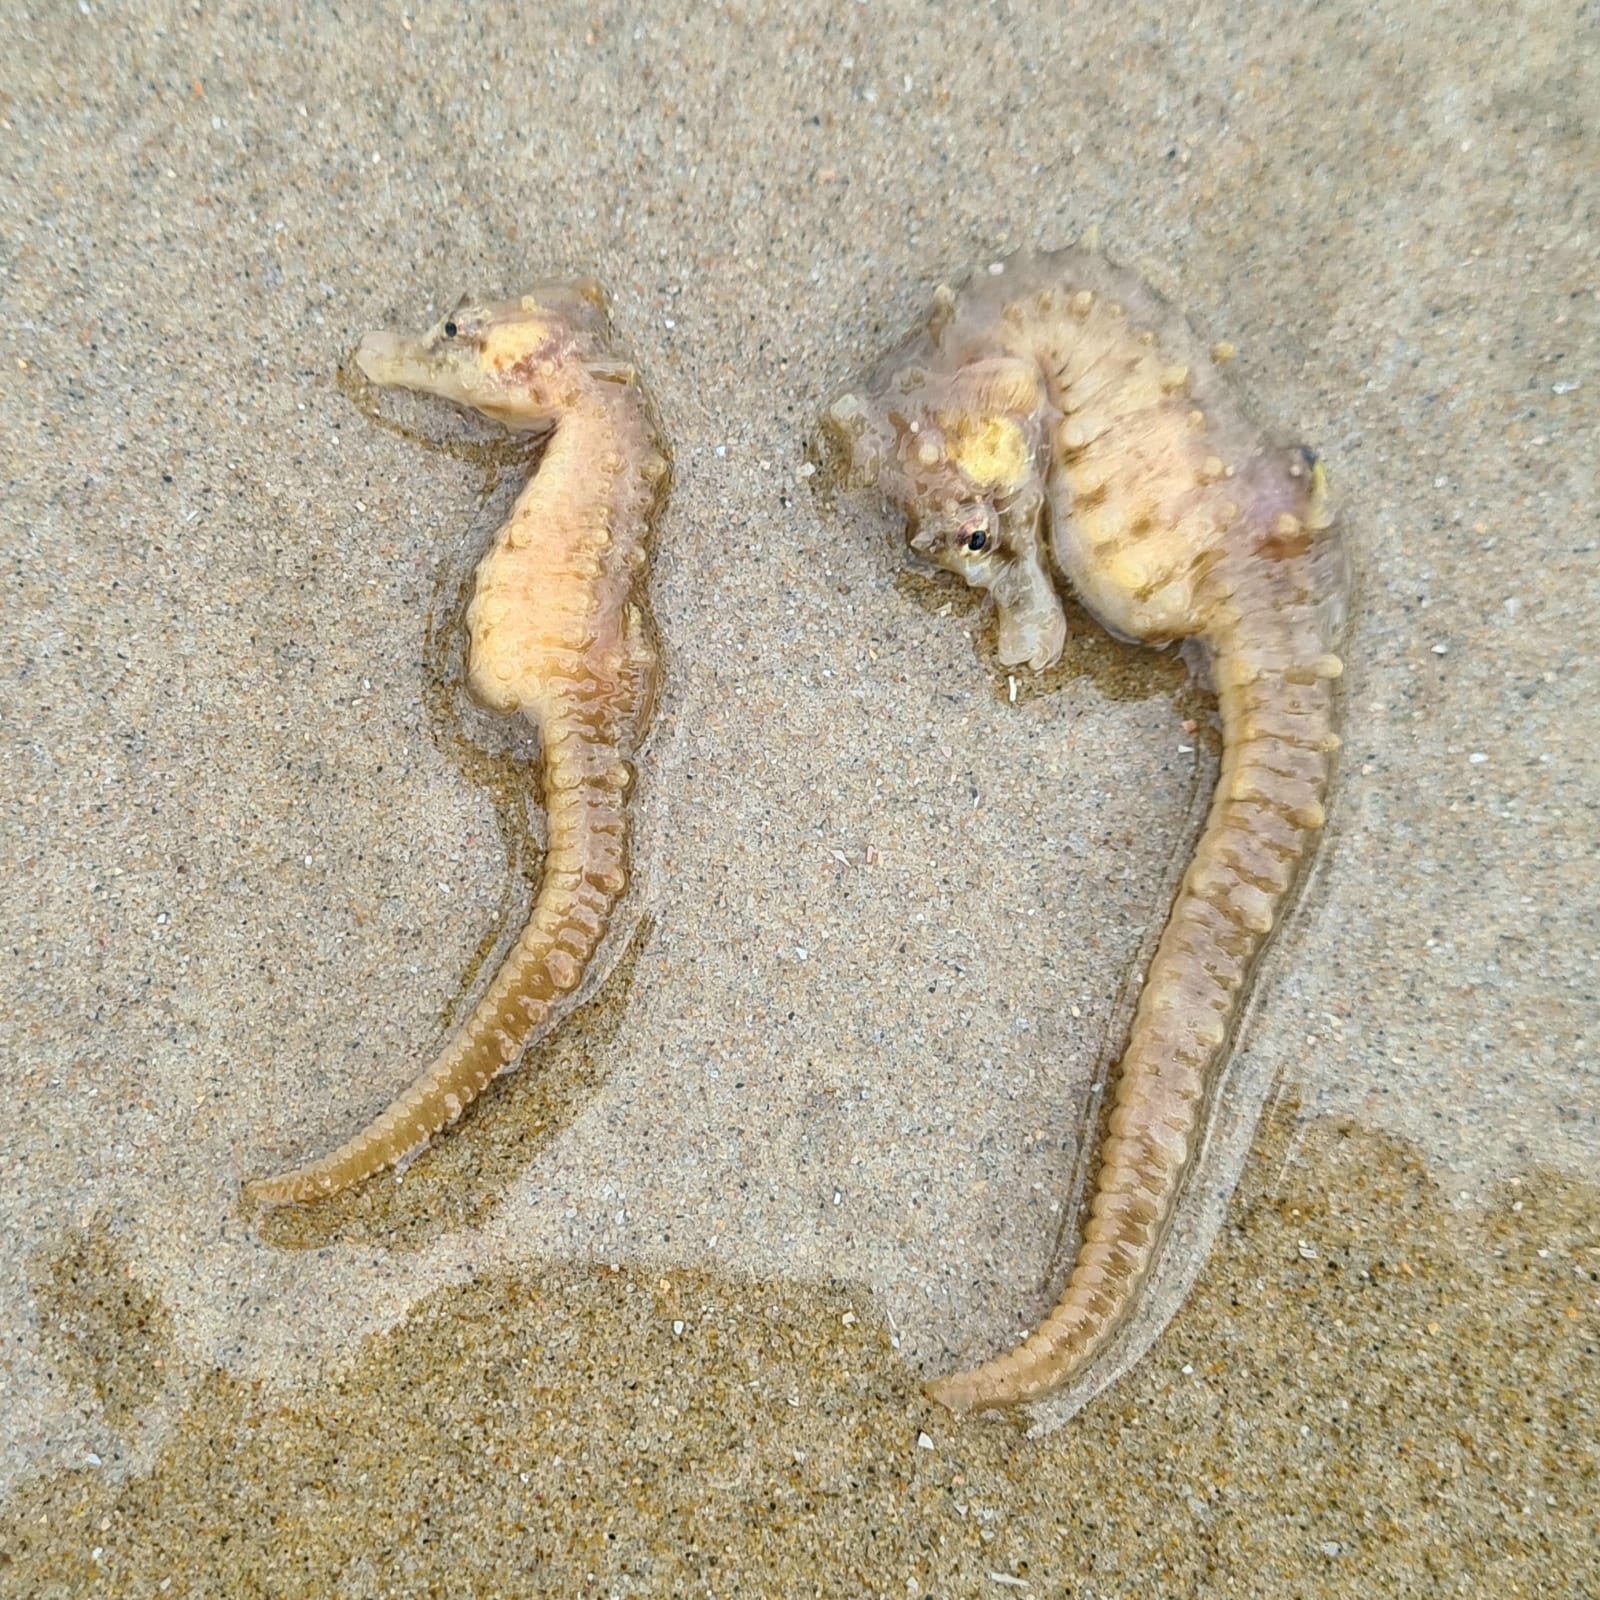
977, 540
450, 330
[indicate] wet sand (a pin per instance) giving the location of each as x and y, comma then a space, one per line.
256, 847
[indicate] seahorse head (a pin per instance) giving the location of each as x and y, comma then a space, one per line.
521, 362
959, 454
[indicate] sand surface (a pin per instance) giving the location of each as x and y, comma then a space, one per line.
652, 1319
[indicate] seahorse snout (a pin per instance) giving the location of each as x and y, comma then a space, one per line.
389, 358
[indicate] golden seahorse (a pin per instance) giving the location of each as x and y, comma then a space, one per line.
559, 634
1054, 421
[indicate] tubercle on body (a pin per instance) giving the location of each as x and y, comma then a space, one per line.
558, 632
1054, 422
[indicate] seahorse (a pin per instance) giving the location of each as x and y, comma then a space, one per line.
559, 634
1055, 422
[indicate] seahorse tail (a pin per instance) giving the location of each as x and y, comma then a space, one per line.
585, 875
1278, 742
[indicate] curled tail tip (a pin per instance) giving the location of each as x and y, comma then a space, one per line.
979, 1389
1036, 1369
295, 1187
268, 1194
265, 1194
955, 1392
